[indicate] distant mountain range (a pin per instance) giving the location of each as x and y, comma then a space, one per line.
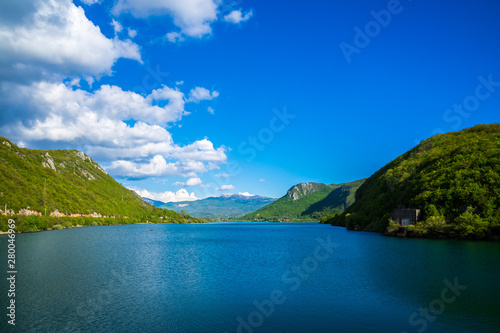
225, 206
308, 201
153, 202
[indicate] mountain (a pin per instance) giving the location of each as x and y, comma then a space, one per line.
453, 178
308, 201
225, 206
40, 183
153, 202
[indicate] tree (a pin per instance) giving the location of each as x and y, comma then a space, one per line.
469, 223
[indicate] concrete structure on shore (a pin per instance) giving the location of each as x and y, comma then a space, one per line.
405, 217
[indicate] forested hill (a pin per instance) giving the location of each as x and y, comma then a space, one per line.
454, 178
66, 182
308, 201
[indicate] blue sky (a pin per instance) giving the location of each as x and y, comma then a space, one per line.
195, 98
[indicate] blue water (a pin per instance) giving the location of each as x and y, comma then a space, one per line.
249, 277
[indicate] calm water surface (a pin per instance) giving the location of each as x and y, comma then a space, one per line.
250, 277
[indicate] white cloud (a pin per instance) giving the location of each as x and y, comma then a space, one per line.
262, 180
56, 40
188, 163
236, 16
90, 2
210, 110
193, 17
46, 99
157, 167
116, 26
226, 188
193, 182
246, 194
201, 151
200, 94
174, 37
190, 182
49, 46
226, 175
180, 195
131, 33
95, 122
179, 83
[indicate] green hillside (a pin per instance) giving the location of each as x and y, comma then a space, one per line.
454, 178
70, 182
308, 201
225, 206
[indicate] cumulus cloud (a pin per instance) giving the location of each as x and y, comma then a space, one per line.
116, 26
193, 17
226, 188
48, 102
190, 182
236, 16
201, 150
131, 32
188, 162
51, 112
90, 2
202, 94
210, 110
193, 182
157, 167
174, 37
56, 40
180, 195
48, 46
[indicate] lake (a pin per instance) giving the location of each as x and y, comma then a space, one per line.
250, 277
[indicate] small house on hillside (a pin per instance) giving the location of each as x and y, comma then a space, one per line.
406, 217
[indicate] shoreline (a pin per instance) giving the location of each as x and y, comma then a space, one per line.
82, 226
410, 235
